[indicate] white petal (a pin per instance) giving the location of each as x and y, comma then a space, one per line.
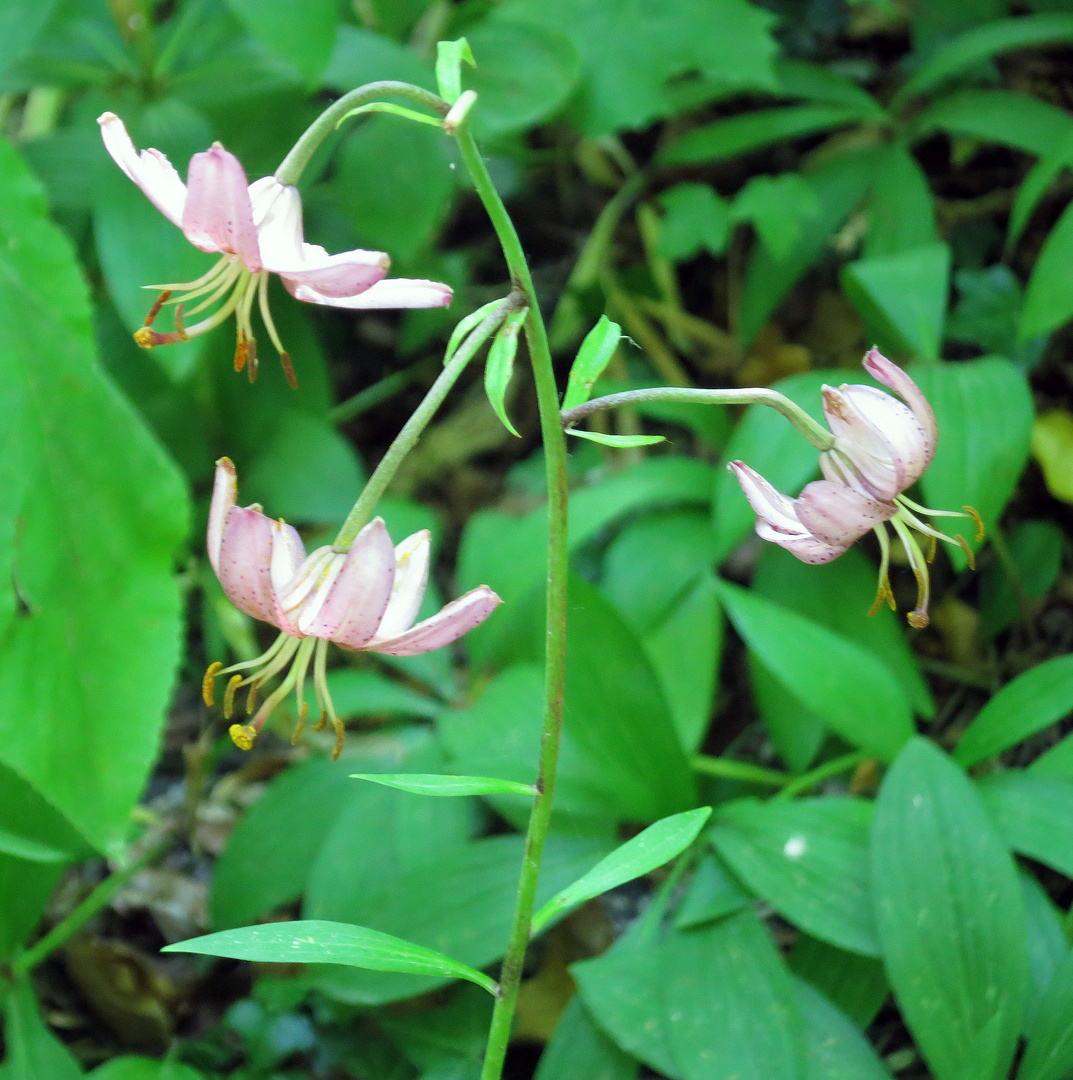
224, 496
389, 293
769, 503
150, 169
447, 625
408, 590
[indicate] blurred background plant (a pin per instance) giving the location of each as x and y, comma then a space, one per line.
756, 193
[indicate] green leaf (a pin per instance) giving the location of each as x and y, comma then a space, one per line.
984, 412
694, 217
365, 693
1032, 814
450, 786
33, 1052
363, 56
617, 440
657, 844
25, 888
301, 34
31, 850
1025, 123
730, 1005
90, 611
579, 1049
712, 893
591, 360
903, 297
855, 984
1047, 945
470, 322
742, 134
500, 365
836, 1049
950, 917
1048, 303
1049, 1053
901, 211
316, 941
848, 687
777, 450
142, 1068
20, 28
1031, 702
524, 74
799, 79
1040, 177
808, 860
980, 44
988, 312
450, 56
779, 208
630, 51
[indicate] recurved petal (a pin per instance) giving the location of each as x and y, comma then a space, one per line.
802, 545
150, 169
389, 293
892, 376
447, 625
859, 418
224, 496
838, 515
332, 277
769, 503
218, 215
356, 601
244, 562
408, 590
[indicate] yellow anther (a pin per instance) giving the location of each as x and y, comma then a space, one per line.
970, 558
883, 595
322, 723
179, 328
242, 735
340, 733
206, 683
932, 546
242, 349
303, 712
251, 697
146, 337
917, 619
229, 695
977, 521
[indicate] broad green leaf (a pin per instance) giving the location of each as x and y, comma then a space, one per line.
950, 917
712, 893
1035, 184
25, 888
1017, 120
836, 1049
90, 610
631, 50
591, 360
653, 847
445, 1042
980, 44
817, 82
449, 786
22, 848
499, 368
20, 27
1049, 1053
777, 450
462, 329
779, 208
796, 731
984, 412
694, 217
901, 210
301, 34
1052, 447
808, 860
845, 685
730, 1005
1032, 813
143, 1068
316, 941
362, 56
475, 887
523, 74
1047, 298
902, 297
1047, 945
1036, 554
33, 1052
450, 56
855, 984
579, 1049
741, 134
1031, 702
620, 441
988, 312
367, 693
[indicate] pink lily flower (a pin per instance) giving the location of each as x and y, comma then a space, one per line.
257, 230
881, 448
363, 599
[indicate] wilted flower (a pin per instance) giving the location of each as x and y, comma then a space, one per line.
882, 447
257, 229
366, 598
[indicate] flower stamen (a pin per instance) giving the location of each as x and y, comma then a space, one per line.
883, 590
918, 617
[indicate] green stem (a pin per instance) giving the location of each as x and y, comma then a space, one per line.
555, 611
816, 434
66, 929
292, 166
728, 769
407, 438
822, 772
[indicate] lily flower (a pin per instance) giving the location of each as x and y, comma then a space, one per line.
257, 230
881, 447
363, 599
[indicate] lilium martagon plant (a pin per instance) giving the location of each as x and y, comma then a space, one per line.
363, 599
257, 231
881, 448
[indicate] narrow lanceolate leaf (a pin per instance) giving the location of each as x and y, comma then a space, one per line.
1049, 1054
316, 941
450, 56
591, 360
617, 440
1032, 702
466, 325
23, 848
658, 844
500, 365
950, 917
435, 784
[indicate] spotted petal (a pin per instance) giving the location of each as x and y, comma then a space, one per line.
218, 215
447, 625
244, 560
892, 376
389, 293
408, 590
838, 515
